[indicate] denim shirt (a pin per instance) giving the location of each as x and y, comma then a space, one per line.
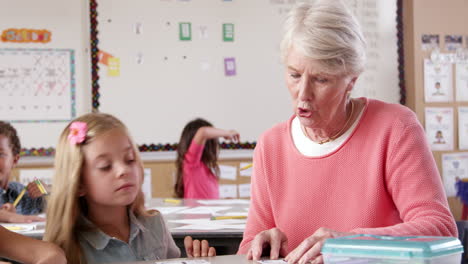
27, 205
149, 239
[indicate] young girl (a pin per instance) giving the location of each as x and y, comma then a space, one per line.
197, 156
32, 201
96, 210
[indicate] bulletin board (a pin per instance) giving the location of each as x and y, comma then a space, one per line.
163, 63
436, 90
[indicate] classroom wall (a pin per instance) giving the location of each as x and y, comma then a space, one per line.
68, 21
431, 17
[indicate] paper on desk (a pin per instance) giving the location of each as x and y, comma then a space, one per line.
168, 210
204, 210
233, 214
223, 202
20, 228
183, 262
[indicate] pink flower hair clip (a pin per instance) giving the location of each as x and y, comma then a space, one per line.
78, 132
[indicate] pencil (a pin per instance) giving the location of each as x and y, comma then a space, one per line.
18, 199
246, 166
228, 217
174, 201
40, 186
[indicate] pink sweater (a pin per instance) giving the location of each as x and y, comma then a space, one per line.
383, 180
199, 181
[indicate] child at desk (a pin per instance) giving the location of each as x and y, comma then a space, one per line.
96, 210
28, 250
32, 201
197, 160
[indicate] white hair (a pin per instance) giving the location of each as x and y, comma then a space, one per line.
326, 31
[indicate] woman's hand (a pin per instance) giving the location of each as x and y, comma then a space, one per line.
274, 238
309, 250
195, 248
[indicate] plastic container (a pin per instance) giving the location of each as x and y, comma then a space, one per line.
370, 249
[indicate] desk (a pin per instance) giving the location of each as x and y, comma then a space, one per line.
226, 241
228, 259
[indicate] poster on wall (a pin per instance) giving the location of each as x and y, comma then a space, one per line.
37, 85
463, 127
437, 82
439, 127
454, 167
461, 81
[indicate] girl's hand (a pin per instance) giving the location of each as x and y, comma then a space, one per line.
51, 254
309, 250
232, 135
8, 207
195, 248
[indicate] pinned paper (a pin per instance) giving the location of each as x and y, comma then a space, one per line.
185, 31
203, 32
463, 128
227, 191
113, 69
228, 32
229, 66
138, 28
454, 167
439, 127
24, 35
430, 42
244, 190
104, 57
453, 42
437, 82
146, 186
245, 169
227, 172
461, 81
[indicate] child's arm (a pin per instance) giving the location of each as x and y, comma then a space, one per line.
205, 133
29, 250
11, 217
195, 248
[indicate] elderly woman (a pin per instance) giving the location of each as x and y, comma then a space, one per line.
339, 165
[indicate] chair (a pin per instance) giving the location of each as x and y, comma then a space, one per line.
463, 236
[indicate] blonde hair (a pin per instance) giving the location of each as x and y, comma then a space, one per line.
65, 206
326, 31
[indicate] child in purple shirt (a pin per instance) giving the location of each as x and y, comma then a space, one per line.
197, 160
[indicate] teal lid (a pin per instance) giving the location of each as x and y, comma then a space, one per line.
392, 247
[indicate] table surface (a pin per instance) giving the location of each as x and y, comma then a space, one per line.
227, 259
237, 206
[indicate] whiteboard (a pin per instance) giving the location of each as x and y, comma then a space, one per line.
164, 80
